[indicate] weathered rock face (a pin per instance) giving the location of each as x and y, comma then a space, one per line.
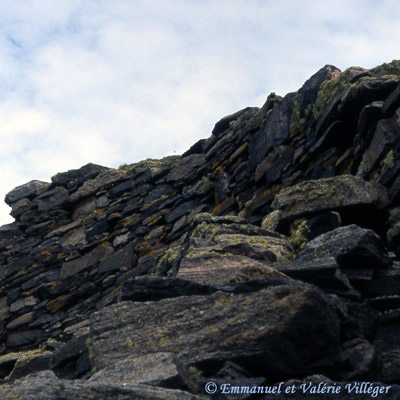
320, 195
49, 387
351, 246
267, 330
268, 251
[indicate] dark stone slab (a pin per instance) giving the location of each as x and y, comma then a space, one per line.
323, 272
365, 92
70, 268
274, 133
159, 192
74, 178
9, 231
45, 277
27, 190
392, 103
20, 206
120, 189
387, 344
23, 338
52, 199
308, 93
351, 246
337, 134
181, 210
14, 266
66, 354
29, 364
98, 228
187, 169
272, 167
384, 139
366, 125
254, 123
197, 148
120, 260
91, 186
223, 124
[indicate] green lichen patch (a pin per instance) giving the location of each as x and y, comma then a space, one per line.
22, 360
388, 161
153, 166
298, 234
328, 89
392, 68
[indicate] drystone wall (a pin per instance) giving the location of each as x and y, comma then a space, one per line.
268, 252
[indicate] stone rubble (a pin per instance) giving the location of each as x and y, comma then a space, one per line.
268, 252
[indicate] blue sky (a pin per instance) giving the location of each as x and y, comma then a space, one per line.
118, 81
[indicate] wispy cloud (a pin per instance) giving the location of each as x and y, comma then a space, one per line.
115, 82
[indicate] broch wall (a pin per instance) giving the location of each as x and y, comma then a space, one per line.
268, 252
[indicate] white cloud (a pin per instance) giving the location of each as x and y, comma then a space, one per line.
115, 82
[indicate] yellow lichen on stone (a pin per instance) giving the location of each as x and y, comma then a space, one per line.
298, 234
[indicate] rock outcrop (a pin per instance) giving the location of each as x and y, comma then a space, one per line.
267, 255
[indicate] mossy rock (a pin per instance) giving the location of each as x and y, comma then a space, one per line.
17, 365
315, 196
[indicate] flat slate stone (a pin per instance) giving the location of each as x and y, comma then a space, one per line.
16, 265
72, 267
324, 273
122, 259
186, 168
208, 268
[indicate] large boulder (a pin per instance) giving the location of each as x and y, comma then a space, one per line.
278, 331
